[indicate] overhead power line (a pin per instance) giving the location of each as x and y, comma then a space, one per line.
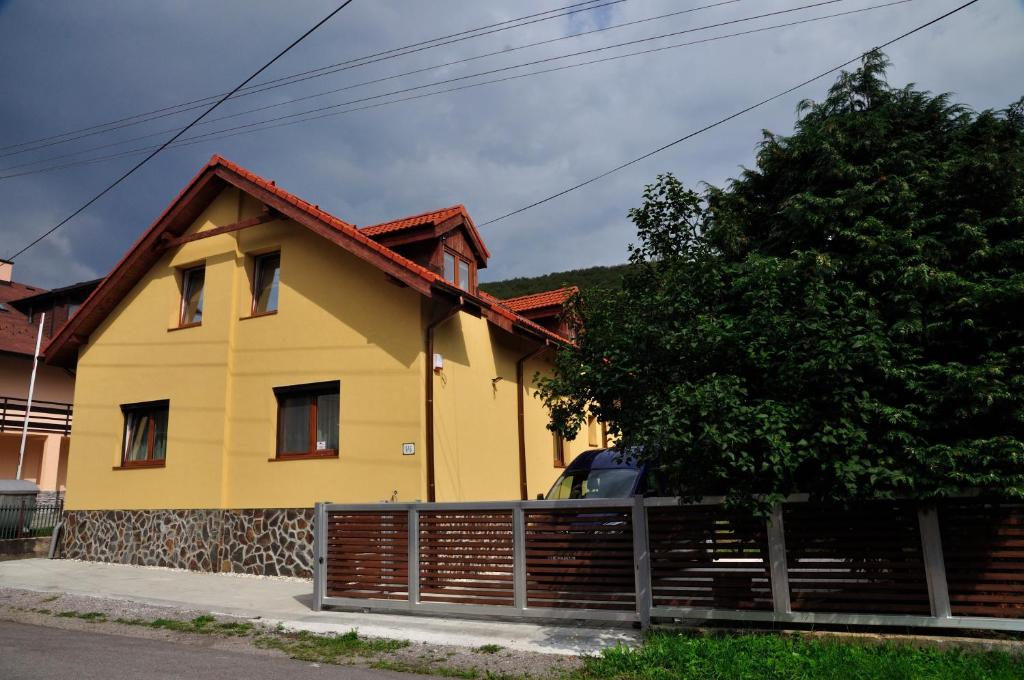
5, 172
182, 131
728, 118
337, 109
259, 126
468, 34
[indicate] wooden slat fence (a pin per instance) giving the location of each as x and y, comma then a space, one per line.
466, 557
983, 546
368, 555
580, 559
881, 564
701, 557
863, 562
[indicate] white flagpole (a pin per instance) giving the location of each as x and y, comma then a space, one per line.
31, 389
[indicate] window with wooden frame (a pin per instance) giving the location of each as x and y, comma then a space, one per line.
192, 283
560, 448
459, 270
307, 420
145, 434
266, 281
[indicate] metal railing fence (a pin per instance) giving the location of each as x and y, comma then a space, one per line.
27, 519
46, 416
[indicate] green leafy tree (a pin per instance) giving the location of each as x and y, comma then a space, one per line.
844, 319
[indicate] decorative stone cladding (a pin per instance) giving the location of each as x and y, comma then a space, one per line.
271, 542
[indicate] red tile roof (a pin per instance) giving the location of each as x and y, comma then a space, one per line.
17, 335
549, 298
500, 306
140, 258
432, 217
349, 230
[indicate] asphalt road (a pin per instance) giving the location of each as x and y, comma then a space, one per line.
29, 652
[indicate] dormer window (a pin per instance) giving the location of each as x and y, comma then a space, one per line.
458, 270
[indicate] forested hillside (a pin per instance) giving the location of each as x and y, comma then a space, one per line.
584, 278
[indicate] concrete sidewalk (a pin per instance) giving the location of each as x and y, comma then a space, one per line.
288, 602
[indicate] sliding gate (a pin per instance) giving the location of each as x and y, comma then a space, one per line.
960, 565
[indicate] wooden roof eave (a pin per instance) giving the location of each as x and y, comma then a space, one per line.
62, 349
345, 241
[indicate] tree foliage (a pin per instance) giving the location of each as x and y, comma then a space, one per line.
844, 319
591, 277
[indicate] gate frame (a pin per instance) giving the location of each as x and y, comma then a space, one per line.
777, 567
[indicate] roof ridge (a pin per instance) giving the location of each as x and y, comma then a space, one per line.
418, 275
457, 207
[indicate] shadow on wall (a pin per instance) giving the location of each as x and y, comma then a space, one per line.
373, 306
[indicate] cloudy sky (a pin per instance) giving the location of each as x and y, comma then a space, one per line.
68, 65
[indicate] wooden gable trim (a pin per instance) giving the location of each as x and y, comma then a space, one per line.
436, 230
266, 216
456, 221
328, 232
143, 254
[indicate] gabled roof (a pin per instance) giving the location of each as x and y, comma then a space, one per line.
17, 335
442, 220
549, 298
44, 295
218, 174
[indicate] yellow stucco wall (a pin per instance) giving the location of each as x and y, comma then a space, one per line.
477, 449
338, 319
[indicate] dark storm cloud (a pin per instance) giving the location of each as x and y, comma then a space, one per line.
494, 148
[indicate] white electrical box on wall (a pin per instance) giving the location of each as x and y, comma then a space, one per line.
408, 449
438, 362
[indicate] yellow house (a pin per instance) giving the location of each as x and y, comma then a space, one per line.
252, 354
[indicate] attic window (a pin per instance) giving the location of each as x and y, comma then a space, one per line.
458, 270
192, 283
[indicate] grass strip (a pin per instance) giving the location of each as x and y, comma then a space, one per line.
307, 646
785, 657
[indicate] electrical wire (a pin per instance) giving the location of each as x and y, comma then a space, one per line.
182, 131
303, 76
728, 118
5, 172
250, 128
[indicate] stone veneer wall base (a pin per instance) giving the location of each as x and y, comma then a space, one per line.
270, 542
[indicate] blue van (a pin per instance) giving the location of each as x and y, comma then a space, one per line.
601, 473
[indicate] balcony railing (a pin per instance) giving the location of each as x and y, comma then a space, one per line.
51, 417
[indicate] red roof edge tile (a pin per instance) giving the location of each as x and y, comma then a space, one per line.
139, 259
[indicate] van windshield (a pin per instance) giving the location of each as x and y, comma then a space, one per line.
608, 483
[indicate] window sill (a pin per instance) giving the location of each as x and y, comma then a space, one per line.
257, 315
140, 465
315, 455
181, 328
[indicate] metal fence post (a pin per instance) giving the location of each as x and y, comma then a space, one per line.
934, 564
319, 554
519, 556
642, 561
414, 556
777, 562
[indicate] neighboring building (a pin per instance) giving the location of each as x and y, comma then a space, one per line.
253, 352
49, 422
